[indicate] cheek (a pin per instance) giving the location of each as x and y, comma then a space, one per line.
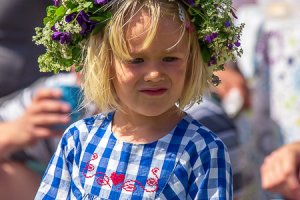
180, 73
180, 78
121, 74
124, 79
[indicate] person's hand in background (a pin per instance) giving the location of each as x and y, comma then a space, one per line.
280, 171
37, 122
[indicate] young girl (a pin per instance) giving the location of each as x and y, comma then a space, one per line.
141, 70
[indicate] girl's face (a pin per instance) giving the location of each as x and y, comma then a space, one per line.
152, 82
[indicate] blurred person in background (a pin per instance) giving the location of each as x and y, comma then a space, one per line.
233, 92
271, 65
233, 96
28, 137
280, 171
18, 69
18, 54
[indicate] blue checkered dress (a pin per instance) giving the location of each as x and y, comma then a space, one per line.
90, 163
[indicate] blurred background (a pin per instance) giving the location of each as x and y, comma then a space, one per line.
270, 66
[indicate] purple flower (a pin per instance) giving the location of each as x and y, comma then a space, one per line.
70, 17
227, 24
230, 46
212, 61
214, 35
100, 2
86, 24
56, 3
53, 28
62, 37
83, 20
237, 43
210, 38
191, 2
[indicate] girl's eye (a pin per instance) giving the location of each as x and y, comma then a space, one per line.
169, 59
136, 61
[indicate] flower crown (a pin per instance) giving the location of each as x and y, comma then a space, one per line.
69, 23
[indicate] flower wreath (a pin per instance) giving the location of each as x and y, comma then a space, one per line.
69, 23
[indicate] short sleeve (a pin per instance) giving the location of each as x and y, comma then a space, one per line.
57, 178
211, 175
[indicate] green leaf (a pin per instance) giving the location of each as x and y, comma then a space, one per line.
60, 11
98, 28
74, 10
97, 18
78, 68
205, 53
46, 20
76, 52
50, 10
87, 4
71, 5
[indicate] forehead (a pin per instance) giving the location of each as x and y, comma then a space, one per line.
168, 35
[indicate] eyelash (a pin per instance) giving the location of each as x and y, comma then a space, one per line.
141, 60
136, 61
169, 59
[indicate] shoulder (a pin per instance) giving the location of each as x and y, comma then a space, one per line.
203, 168
203, 143
199, 133
210, 114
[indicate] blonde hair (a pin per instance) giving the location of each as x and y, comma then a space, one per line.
101, 48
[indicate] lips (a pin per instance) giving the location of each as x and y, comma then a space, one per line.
154, 91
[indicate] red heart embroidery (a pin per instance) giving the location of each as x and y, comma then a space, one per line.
117, 178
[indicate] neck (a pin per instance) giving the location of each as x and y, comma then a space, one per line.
136, 128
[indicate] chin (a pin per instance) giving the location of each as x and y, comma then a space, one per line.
157, 111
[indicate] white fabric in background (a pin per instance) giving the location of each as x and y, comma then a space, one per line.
253, 17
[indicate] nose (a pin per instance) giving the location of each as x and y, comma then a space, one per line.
154, 76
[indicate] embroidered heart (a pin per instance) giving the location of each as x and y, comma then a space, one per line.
117, 178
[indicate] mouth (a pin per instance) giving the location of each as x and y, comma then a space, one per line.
154, 92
